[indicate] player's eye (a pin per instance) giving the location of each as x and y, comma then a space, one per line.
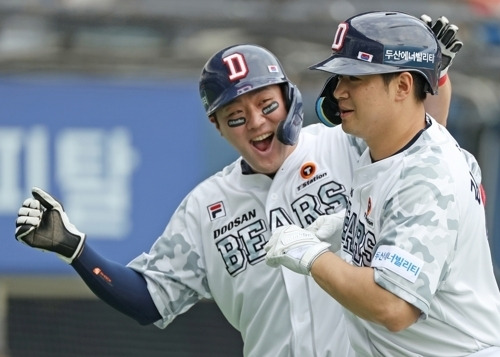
262, 100
233, 113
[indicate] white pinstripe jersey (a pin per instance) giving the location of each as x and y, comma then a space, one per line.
418, 218
213, 247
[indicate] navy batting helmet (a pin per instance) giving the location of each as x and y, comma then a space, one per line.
381, 42
239, 69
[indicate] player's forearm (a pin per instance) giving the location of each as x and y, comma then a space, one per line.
355, 289
438, 106
119, 286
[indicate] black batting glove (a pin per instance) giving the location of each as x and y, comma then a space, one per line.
43, 224
446, 35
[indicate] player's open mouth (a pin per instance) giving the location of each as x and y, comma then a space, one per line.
263, 142
345, 112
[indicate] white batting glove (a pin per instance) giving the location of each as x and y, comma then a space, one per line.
43, 224
446, 35
328, 228
295, 248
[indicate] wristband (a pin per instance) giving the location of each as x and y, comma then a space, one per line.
442, 80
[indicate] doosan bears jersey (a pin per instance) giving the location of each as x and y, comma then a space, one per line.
417, 218
213, 248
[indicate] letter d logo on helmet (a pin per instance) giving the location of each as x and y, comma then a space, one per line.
239, 69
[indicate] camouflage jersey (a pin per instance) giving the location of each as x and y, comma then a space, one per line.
213, 248
418, 219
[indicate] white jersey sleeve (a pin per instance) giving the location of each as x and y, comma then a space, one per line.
174, 267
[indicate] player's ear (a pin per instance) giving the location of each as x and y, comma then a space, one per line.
213, 120
404, 82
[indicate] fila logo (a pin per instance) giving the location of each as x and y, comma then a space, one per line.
308, 170
338, 41
216, 210
236, 66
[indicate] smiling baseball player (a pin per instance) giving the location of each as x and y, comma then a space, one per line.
415, 272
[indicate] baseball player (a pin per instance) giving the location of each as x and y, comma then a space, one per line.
213, 245
415, 273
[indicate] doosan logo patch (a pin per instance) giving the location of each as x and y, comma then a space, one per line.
216, 210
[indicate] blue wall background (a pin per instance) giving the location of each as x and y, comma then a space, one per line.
119, 155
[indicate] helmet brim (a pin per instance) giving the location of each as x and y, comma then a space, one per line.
353, 67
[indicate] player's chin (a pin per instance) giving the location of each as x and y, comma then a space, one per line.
346, 127
347, 124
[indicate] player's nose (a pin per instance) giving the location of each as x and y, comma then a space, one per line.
255, 119
340, 90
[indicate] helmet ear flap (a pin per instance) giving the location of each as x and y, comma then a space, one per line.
289, 129
327, 107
